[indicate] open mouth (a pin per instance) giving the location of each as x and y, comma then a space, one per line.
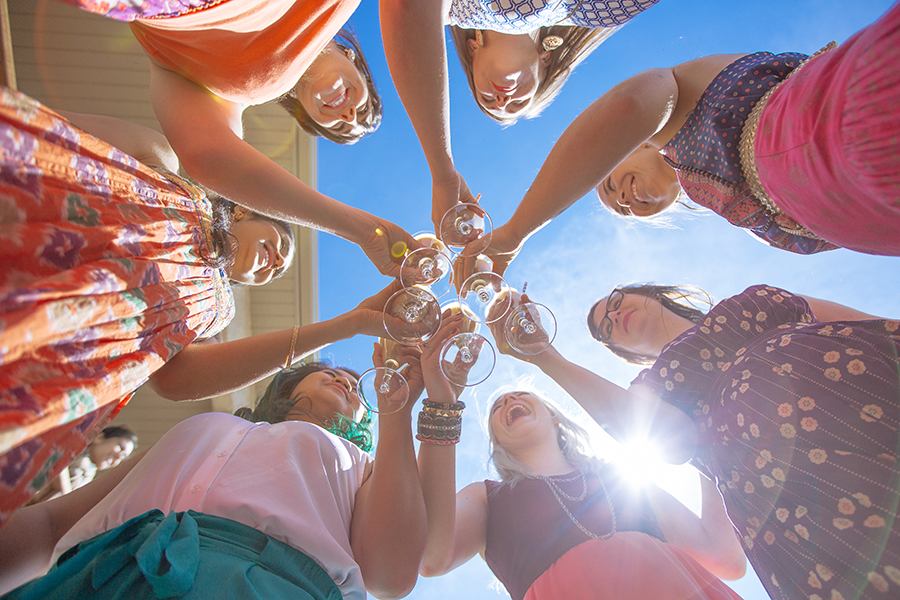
634, 192
516, 411
626, 320
338, 102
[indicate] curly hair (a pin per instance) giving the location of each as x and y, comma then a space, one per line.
572, 439
578, 43
277, 401
346, 40
680, 300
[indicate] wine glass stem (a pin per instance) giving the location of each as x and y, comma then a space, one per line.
385, 386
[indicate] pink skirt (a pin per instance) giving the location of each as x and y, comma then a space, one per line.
828, 143
629, 566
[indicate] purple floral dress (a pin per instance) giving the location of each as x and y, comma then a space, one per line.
798, 422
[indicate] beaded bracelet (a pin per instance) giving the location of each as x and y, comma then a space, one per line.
440, 423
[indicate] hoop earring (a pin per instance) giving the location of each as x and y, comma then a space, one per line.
551, 43
479, 38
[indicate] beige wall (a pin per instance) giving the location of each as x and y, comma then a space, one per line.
72, 60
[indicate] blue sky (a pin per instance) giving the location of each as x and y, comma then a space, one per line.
585, 252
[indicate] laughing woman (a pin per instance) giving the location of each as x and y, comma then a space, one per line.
791, 404
110, 270
223, 508
589, 534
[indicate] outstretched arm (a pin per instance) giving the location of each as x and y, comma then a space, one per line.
710, 539
205, 132
416, 51
456, 522
206, 370
389, 525
825, 310
651, 106
635, 412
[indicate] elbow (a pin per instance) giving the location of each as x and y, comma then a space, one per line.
167, 383
398, 585
733, 570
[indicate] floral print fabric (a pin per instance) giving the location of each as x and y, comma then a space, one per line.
798, 421
102, 280
129, 10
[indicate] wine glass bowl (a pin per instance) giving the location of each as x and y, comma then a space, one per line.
383, 390
485, 297
464, 224
467, 359
530, 328
427, 267
412, 316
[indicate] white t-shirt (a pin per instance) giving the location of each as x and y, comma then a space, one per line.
293, 481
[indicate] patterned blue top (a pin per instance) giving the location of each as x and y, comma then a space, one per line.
524, 16
705, 152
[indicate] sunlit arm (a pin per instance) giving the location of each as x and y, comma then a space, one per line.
388, 531
710, 539
416, 52
205, 132
206, 370
593, 145
624, 413
825, 310
28, 538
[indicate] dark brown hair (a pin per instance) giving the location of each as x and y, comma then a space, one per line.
221, 255
678, 299
346, 41
277, 401
578, 43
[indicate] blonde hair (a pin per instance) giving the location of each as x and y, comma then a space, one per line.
572, 438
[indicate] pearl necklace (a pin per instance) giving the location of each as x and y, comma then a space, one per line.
559, 494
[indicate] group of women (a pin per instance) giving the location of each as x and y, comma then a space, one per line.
116, 270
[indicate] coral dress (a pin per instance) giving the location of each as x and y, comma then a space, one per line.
798, 421
102, 280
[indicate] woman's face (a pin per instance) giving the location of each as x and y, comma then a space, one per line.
642, 185
517, 417
506, 72
333, 91
636, 323
320, 396
263, 251
106, 452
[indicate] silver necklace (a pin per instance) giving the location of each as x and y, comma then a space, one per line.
559, 494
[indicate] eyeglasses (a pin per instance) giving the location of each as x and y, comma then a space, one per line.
604, 332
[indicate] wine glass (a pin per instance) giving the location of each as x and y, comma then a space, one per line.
530, 328
384, 390
467, 358
429, 266
463, 224
485, 297
412, 316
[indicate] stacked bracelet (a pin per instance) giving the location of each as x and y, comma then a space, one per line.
440, 423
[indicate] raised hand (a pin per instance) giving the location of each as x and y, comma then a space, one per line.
447, 193
386, 244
